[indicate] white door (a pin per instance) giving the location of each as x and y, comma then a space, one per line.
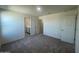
68, 28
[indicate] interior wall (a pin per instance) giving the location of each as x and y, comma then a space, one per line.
77, 34
12, 26
52, 24
0, 29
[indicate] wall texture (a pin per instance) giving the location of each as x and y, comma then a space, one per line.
60, 25
77, 34
0, 29
12, 26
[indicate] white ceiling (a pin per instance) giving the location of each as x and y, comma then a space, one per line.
31, 9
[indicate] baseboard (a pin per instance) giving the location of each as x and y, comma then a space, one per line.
52, 36
67, 42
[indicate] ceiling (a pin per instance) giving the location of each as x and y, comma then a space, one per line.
31, 9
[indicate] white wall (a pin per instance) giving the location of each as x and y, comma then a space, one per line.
77, 34
0, 30
12, 26
52, 25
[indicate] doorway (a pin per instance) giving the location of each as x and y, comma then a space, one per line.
41, 26
27, 23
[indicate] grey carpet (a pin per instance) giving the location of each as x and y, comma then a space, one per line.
38, 44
